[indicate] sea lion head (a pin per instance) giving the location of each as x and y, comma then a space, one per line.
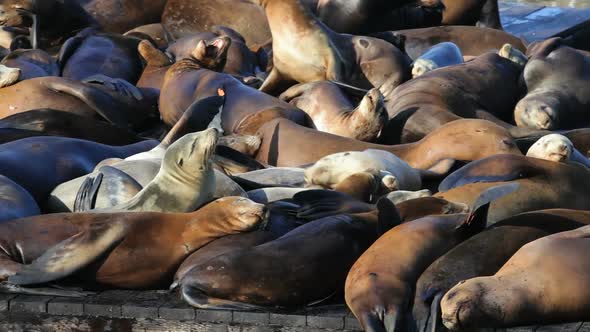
370, 116
513, 54
212, 54
238, 214
463, 305
8, 76
423, 66
552, 147
192, 154
538, 111
246, 144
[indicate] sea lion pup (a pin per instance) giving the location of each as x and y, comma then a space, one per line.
47, 122
331, 110
360, 61
556, 77
57, 160
543, 184
378, 288
32, 63
468, 38
287, 144
541, 284
440, 55
483, 255
423, 104
91, 53
392, 172
106, 244
266, 275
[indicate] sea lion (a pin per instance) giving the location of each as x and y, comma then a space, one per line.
114, 237
482, 13
118, 16
392, 172
378, 289
472, 41
440, 55
580, 139
114, 100
543, 184
91, 53
363, 62
287, 144
15, 201
32, 63
331, 110
184, 17
266, 275
47, 122
483, 255
541, 284
12, 39
269, 195
245, 108
555, 77
56, 160
276, 176
460, 91
558, 148
154, 32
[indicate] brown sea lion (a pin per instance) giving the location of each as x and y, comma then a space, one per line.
332, 111
185, 17
419, 106
47, 122
543, 283
287, 144
32, 63
483, 13
114, 100
266, 275
118, 16
483, 255
91, 53
556, 78
56, 160
360, 61
378, 289
543, 184
473, 41
106, 244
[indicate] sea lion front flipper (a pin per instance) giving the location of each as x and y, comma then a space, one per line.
498, 168
318, 203
116, 84
86, 196
6, 287
388, 215
72, 254
272, 81
199, 299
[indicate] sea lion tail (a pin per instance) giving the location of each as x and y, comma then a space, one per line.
86, 196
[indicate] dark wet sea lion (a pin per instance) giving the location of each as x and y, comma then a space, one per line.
483, 255
543, 283
266, 275
15, 201
114, 100
118, 16
419, 106
184, 17
287, 144
106, 244
32, 63
473, 41
90, 53
332, 111
378, 289
47, 122
556, 78
56, 160
363, 62
543, 184
483, 13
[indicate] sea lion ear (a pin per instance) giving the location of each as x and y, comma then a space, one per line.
477, 219
388, 216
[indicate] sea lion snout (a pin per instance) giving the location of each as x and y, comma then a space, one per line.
458, 305
537, 112
553, 147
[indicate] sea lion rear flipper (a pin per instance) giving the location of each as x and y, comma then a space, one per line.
86, 196
199, 299
434, 321
72, 254
477, 220
116, 84
498, 168
388, 215
318, 203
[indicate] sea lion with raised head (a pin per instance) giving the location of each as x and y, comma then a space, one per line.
332, 111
